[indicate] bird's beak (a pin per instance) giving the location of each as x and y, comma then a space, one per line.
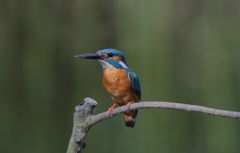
89, 56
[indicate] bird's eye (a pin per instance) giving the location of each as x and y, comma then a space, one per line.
110, 54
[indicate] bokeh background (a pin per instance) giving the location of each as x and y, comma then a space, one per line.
184, 51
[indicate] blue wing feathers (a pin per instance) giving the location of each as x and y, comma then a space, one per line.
134, 82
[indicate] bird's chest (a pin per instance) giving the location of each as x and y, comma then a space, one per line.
116, 82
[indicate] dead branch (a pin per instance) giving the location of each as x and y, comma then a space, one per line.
83, 118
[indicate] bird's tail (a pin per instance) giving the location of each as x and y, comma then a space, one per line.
130, 118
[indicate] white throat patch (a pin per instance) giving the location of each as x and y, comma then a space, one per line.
106, 65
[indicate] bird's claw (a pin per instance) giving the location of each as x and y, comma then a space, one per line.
109, 109
128, 104
109, 112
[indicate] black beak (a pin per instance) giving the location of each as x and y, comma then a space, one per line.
89, 56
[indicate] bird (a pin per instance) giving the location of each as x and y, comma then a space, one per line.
119, 80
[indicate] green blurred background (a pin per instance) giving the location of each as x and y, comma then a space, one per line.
184, 51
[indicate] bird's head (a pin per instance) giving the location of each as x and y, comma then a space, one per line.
109, 58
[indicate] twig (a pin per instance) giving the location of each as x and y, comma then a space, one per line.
83, 118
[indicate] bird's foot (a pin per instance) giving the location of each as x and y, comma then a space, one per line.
128, 104
109, 109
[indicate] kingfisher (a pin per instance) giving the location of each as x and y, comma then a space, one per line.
119, 80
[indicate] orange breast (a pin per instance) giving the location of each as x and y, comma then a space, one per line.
119, 86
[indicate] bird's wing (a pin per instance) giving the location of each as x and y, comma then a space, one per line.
134, 82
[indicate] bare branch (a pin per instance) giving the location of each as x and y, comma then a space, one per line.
83, 118
167, 105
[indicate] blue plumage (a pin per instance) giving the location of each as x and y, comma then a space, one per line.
114, 63
115, 52
134, 82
